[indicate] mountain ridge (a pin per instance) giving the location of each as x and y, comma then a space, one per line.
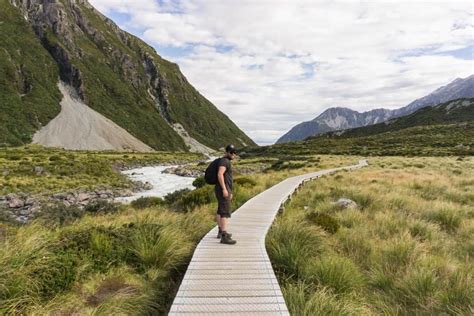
328, 120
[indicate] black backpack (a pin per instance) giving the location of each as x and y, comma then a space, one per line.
211, 172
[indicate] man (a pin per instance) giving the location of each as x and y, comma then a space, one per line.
223, 190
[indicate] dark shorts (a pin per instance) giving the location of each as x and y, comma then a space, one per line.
223, 205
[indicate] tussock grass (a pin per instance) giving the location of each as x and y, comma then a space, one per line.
125, 263
292, 244
126, 260
306, 300
406, 249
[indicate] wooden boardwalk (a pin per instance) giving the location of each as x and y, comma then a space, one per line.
239, 279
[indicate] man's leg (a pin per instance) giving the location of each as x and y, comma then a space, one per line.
218, 221
224, 223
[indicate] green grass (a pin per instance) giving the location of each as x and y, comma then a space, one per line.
432, 140
29, 97
405, 250
116, 260
70, 170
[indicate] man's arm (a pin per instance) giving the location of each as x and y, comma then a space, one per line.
220, 178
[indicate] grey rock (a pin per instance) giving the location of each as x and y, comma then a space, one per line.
30, 201
22, 218
59, 196
11, 196
15, 203
35, 209
346, 203
148, 186
25, 212
39, 170
83, 197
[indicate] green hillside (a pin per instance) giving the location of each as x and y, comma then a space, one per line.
442, 130
431, 140
29, 97
114, 73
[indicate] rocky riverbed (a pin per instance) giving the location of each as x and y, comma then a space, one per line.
22, 207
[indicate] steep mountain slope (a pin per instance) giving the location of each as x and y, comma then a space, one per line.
121, 77
343, 118
334, 119
29, 96
459, 88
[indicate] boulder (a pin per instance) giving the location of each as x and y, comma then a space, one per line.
30, 201
16, 203
59, 196
39, 170
83, 197
346, 203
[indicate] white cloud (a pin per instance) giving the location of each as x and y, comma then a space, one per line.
281, 62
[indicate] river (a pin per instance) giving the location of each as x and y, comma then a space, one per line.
163, 183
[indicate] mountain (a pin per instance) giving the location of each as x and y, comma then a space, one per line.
338, 118
456, 111
444, 129
334, 119
57, 53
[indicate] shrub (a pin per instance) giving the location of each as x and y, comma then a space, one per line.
199, 182
59, 214
196, 198
175, 196
101, 206
147, 201
55, 158
325, 221
245, 181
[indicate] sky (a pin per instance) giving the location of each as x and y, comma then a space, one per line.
271, 64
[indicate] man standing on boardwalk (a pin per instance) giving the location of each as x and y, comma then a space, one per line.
223, 190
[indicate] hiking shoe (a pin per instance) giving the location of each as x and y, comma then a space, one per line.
226, 239
219, 234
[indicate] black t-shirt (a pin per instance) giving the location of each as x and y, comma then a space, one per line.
225, 162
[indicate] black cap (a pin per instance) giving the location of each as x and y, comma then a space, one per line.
230, 149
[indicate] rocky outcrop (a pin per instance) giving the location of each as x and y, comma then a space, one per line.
22, 207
